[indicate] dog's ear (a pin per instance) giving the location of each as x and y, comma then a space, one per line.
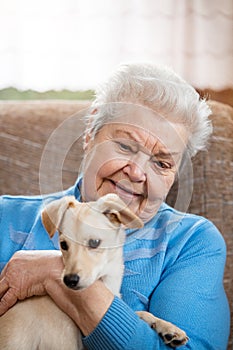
118, 212
54, 212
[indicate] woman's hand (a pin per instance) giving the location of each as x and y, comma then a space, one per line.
30, 273
26, 275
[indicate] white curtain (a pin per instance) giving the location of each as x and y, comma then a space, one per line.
75, 44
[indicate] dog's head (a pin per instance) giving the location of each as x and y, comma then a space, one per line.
90, 235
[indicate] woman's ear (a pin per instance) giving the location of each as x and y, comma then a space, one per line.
88, 131
86, 140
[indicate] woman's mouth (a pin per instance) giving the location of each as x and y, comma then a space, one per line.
123, 191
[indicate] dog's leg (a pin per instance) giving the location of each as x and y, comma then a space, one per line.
171, 335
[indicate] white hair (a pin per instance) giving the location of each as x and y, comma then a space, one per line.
156, 87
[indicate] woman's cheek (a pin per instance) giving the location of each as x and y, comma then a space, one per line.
95, 171
169, 180
159, 186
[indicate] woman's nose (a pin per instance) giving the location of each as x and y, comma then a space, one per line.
135, 171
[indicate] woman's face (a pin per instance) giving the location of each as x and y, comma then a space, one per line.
137, 157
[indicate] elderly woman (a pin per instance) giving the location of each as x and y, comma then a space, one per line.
144, 123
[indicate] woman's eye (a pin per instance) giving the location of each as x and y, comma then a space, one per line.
125, 147
64, 245
94, 243
162, 165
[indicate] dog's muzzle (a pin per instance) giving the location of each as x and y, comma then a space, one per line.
71, 281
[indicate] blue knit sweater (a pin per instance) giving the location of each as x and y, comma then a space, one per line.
173, 268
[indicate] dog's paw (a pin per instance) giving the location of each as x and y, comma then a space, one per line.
171, 335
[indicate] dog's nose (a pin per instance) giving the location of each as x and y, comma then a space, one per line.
71, 280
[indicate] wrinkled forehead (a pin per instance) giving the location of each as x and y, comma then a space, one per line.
146, 119
149, 128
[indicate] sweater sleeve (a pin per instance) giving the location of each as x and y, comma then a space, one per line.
121, 329
190, 294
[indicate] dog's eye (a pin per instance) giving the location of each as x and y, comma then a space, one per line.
94, 243
64, 245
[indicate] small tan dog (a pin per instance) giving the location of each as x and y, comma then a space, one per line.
91, 239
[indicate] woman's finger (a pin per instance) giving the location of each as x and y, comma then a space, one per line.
7, 301
3, 286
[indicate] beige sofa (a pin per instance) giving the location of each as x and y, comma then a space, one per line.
41, 149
